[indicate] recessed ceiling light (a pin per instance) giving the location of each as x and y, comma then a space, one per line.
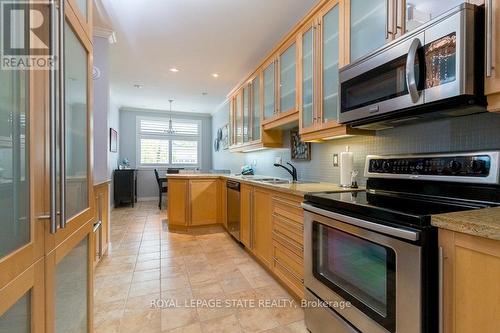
215, 75
173, 69
138, 86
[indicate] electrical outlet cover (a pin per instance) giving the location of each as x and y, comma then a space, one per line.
278, 160
335, 160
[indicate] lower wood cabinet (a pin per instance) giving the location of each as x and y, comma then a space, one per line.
204, 209
195, 202
262, 225
471, 288
288, 241
101, 221
246, 211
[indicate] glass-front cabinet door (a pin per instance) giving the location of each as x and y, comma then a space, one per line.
74, 193
246, 113
22, 186
256, 108
371, 26
307, 76
69, 272
238, 117
83, 10
269, 90
288, 79
330, 37
418, 12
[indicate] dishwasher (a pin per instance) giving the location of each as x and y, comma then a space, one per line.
233, 208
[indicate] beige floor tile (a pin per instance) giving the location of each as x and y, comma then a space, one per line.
174, 283
193, 328
177, 317
145, 322
144, 288
227, 324
148, 263
148, 275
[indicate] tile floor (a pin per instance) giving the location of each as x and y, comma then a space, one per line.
153, 279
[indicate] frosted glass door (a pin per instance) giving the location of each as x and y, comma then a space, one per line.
82, 6
330, 72
17, 319
369, 28
269, 91
256, 109
308, 78
246, 113
71, 288
76, 113
14, 161
288, 79
239, 119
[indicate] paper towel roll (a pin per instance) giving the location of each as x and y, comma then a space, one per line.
346, 167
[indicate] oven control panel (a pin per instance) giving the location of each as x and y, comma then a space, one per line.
436, 166
469, 166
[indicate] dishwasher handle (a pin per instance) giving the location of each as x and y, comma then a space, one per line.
233, 185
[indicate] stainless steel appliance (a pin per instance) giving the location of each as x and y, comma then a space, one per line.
378, 250
233, 208
437, 67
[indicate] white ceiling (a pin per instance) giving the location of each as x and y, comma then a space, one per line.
199, 37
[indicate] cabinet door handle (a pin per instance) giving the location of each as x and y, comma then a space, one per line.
54, 38
62, 117
489, 37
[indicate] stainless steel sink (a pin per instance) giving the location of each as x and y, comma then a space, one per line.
277, 181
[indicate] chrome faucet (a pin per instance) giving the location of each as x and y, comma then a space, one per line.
292, 172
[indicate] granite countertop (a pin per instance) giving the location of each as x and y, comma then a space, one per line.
480, 222
290, 188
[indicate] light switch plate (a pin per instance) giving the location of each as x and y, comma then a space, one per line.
278, 160
335, 160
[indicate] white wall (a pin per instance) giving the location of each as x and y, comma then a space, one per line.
146, 182
100, 110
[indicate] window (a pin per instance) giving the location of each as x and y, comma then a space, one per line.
158, 148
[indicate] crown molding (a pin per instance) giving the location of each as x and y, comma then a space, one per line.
109, 34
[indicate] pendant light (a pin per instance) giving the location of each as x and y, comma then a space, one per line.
170, 129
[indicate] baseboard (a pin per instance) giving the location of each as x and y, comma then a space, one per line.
141, 199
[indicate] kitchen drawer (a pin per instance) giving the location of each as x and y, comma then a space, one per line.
298, 251
289, 279
289, 260
289, 229
288, 208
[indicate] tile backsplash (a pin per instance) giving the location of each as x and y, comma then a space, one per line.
474, 132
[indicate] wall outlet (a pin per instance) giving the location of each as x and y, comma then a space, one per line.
278, 160
335, 160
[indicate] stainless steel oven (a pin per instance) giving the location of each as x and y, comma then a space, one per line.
376, 268
436, 67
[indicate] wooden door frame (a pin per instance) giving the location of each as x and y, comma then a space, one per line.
31, 279
85, 23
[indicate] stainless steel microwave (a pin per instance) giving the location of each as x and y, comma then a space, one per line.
433, 72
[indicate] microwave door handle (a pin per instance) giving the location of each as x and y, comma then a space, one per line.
410, 70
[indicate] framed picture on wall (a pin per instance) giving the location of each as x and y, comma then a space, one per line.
113, 141
300, 151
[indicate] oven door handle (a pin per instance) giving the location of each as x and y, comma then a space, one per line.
392, 231
411, 81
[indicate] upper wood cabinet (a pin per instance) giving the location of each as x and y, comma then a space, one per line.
246, 114
320, 57
492, 64
269, 74
287, 82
